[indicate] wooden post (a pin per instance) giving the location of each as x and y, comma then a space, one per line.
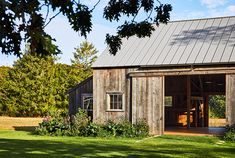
188, 100
202, 102
202, 112
196, 112
230, 99
206, 109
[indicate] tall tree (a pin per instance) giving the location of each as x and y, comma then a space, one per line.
84, 56
24, 20
28, 90
36, 86
3, 78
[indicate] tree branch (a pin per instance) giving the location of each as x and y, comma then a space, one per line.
51, 19
159, 2
136, 14
47, 13
95, 5
76, 2
150, 14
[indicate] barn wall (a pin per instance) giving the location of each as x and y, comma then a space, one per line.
75, 95
109, 80
230, 99
147, 102
146, 96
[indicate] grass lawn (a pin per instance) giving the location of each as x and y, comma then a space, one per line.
23, 144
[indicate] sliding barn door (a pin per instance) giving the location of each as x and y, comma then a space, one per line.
147, 102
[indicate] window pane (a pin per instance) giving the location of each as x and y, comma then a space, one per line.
120, 105
119, 101
120, 98
115, 105
115, 99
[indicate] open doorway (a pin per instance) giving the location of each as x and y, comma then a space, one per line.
187, 100
217, 110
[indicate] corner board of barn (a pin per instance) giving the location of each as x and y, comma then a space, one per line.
165, 79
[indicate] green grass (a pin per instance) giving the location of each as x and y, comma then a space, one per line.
23, 144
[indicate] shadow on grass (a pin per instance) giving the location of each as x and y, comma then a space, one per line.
94, 148
24, 128
192, 139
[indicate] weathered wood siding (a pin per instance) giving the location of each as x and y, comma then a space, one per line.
109, 80
230, 99
147, 102
145, 94
75, 95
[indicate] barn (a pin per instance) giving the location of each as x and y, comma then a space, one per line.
165, 79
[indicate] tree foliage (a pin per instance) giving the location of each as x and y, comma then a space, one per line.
217, 106
3, 78
27, 19
36, 85
84, 56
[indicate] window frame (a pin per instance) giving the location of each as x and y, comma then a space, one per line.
82, 102
108, 108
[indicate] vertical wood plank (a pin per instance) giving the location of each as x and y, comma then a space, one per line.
134, 88
163, 103
94, 96
154, 102
230, 99
128, 99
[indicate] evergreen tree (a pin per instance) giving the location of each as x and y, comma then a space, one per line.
3, 78
36, 86
84, 57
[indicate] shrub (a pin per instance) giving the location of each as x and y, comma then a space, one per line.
52, 126
125, 129
230, 133
94, 130
71, 126
141, 128
80, 125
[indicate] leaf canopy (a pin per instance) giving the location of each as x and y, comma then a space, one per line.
25, 20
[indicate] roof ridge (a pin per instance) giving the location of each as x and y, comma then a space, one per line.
219, 17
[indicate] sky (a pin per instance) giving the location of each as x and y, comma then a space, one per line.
67, 39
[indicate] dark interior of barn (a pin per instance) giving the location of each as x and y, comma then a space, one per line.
186, 99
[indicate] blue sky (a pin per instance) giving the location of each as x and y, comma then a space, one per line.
67, 39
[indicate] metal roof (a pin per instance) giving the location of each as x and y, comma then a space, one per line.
187, 42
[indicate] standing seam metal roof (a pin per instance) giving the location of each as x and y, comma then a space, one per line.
187, 42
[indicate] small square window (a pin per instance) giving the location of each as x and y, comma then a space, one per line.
115, 101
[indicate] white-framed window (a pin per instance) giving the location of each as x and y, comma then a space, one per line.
168, 101
87, 101
115, 101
